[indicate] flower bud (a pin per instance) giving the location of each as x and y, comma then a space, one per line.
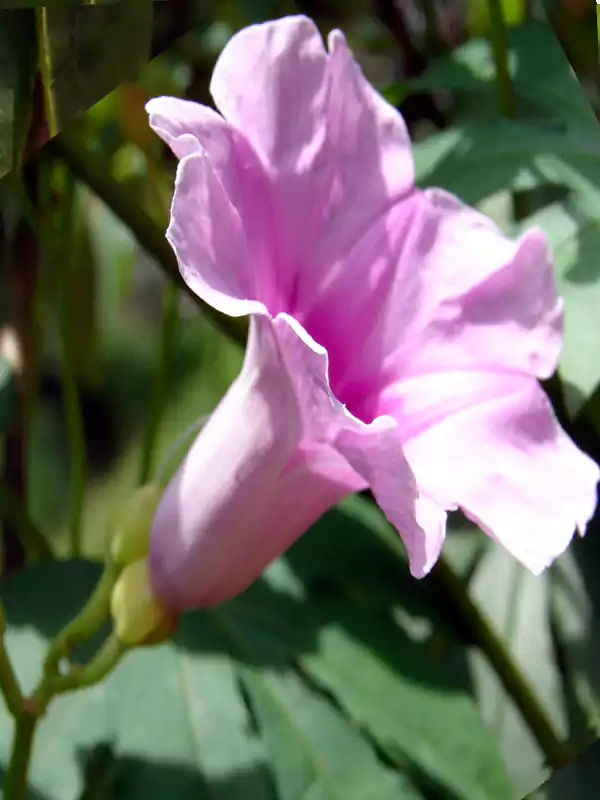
132, 529
138, 615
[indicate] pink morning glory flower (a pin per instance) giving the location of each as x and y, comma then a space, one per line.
396, 335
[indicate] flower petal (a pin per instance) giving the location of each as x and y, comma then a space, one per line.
337, 140
280, 109
367, 167
374, 452
189, 127
486, 299
209, 240
442, 289
184, 125
501, 456
215, 528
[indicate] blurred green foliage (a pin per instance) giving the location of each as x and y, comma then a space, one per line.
334, 675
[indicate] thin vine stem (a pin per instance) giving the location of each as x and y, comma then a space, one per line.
35, 545
9, 685
15, 784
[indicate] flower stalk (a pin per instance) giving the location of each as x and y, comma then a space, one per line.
15, 785
71, 398
9, 685
87, 622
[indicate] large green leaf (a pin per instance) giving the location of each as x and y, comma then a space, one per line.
516, 605
476, 159
85, 52
315, 753
389, 656
242, 697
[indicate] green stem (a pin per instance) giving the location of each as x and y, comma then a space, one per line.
89, 619
105, 660
15, 785
11, 509
107, 657
169, 325
9, 686
499, 39
557, 753
71, 398
506, 95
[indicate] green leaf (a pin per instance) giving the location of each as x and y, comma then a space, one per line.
169, 722
477, 159
516, 604
277, 685
9, 401
17, 68
85, 52
387, 654
315, 753
412, 698
543, 79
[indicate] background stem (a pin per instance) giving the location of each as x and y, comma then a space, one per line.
499, 40
9, 686
33, 542
15, 785
506, 95
71, 397
22, 281
168, 328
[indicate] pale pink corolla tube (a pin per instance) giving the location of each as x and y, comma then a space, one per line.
396, 335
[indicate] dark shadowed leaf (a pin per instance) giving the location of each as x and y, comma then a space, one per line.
87, 51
